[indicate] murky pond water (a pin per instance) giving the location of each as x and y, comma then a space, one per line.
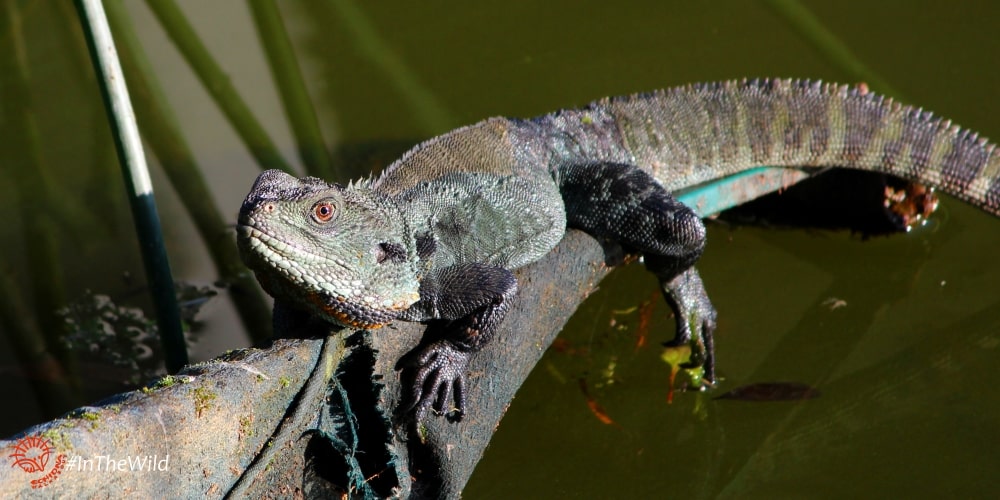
898, 335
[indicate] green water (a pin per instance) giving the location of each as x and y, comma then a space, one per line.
899, 335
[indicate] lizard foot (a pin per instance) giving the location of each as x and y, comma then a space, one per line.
695, 317
439, 380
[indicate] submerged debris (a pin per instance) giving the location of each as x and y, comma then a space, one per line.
772, 391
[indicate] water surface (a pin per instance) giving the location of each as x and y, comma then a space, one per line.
898, 334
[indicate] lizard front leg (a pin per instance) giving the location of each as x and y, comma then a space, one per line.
473, 299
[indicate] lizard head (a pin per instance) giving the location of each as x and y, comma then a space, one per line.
341, 252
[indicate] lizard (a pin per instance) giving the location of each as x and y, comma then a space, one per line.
436, 235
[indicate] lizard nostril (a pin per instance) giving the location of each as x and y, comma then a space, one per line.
268, 207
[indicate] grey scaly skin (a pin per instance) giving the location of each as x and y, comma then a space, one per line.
435, 237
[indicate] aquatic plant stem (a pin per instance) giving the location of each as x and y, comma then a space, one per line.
218, 85
136, 174
287, 76
826, 42
40, 228
428, 111
163, 134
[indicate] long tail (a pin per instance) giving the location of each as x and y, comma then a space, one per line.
692, 134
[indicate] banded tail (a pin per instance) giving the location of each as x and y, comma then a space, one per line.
688, 135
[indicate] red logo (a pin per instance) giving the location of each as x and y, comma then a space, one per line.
32, 454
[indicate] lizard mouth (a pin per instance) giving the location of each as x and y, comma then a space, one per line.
281, 254
288, 271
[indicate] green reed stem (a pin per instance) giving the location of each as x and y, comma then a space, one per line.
218, 85
163, 135
137, 180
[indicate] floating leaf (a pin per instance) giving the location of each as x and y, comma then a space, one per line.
676, 357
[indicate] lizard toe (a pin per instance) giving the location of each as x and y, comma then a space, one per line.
438, 383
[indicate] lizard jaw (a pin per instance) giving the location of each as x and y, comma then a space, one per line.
277, 265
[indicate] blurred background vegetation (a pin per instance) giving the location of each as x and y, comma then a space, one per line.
898, 334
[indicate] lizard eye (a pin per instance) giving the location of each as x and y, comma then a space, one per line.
324, 211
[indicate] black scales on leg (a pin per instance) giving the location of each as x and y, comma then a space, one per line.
625, 204
472, 300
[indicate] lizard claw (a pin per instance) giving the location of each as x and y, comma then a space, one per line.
696, 328
439, 381
702, 346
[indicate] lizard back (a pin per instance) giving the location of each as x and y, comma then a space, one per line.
688, 135
487, 147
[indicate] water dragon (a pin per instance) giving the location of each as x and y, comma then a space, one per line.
436, 235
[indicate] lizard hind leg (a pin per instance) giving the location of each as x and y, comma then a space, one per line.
625, 204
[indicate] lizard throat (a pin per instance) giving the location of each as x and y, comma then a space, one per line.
345, 313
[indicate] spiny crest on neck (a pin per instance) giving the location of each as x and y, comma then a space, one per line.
361, 182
